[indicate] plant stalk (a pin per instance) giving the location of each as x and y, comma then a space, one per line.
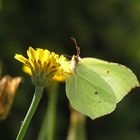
30, 113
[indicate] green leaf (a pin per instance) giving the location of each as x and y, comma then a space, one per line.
97, 86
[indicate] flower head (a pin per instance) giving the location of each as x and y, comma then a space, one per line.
8, 87
44, 65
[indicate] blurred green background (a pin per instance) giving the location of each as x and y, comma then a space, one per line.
108, 30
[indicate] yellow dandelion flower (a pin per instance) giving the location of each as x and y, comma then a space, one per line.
44, 65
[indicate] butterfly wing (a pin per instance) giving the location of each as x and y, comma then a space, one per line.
120, 78
89, 94
97, 86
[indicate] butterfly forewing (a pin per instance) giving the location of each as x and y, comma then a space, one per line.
120, 78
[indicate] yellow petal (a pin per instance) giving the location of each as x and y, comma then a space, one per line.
60, 78
21, 58
43, 55
27, 70
32, 54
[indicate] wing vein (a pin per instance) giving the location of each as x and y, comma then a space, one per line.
95, 84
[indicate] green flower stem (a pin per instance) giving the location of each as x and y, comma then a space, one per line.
31, 111
47, 131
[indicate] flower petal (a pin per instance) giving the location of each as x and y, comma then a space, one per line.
27, 70
32, 54
43, 55
60, 78
21, 58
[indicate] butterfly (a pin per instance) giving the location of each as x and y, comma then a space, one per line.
96, 86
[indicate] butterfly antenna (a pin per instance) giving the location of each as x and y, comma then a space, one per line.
77, 47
